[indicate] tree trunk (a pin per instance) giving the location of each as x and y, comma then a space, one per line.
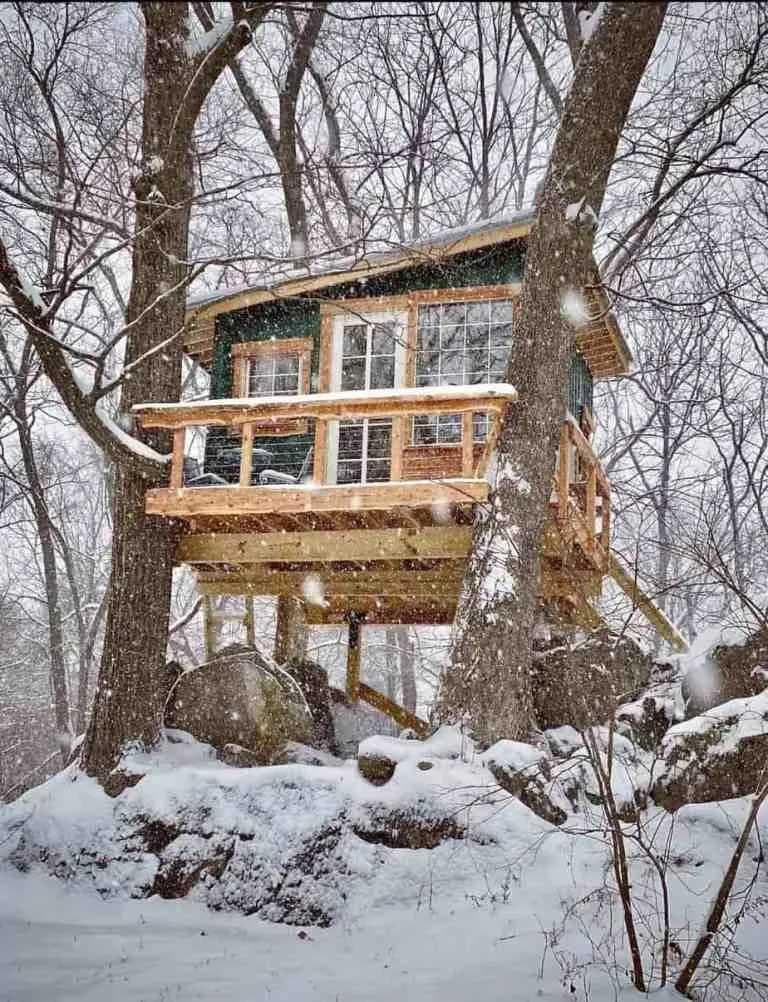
488, 683
408, 672
128, 702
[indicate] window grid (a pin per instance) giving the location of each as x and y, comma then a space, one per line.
462, 343
274, 376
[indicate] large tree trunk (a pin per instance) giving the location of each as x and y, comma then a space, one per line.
488, 684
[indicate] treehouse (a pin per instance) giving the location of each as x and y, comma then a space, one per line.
352, 418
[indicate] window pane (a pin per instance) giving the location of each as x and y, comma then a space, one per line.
262, 366
350, 439
479, 427
454, 313
349, 472
378, 471
478, 313
501, 311
355, 337
353, 374
477, 337
382, 372
451, 338
260, 386
287, 384
287, 365
379, 439
383, 339
429, 338
425, 430
501, 336
452, 363
477, 366
449, 428
498, 360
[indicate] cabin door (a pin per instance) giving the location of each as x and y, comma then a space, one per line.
368, 353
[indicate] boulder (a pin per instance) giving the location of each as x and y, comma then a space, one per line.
725, 672
236, 700
524, 771
646, 721
581, 684
313, 682
715, 756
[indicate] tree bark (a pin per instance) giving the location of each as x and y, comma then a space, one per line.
128, 702
488, 683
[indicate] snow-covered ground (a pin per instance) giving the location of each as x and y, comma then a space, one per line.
527, 914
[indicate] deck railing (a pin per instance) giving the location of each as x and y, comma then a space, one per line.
581, 495
258, 414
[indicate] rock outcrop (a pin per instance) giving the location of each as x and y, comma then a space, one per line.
716, 756
581, 684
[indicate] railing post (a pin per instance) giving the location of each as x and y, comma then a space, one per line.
564, 471
605, 529
246, 455
318, 462
467, 443
398, 441
177, 457
591, 501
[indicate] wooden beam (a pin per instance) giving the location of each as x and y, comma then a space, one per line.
354, 640
384, 610
428, 543
398, 713
398, 442
467, 443
658, 619
354, 404
417, 583
177, 458
563, 473
276, 499
246, 455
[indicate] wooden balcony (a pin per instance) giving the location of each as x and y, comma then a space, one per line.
393, 551
319, 495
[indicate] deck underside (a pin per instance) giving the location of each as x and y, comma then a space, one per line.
390, 553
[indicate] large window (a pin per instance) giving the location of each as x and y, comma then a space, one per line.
274, 376
460, 344
275, 368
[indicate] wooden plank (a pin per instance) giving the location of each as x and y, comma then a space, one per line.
404, 583
354, 643
640, 600
234, 501
398, 713
398, 441
246, 455
467, 444
428, 543
591, 508
563, 471
319, 456
331, 406
177, 458
384, 611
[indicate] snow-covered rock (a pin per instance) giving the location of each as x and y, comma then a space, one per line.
716, 756
724, 665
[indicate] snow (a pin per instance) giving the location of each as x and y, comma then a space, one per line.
574, 308
504, 391
32, 293
312, 589
448, 742
379, 254
200, 44
589, 20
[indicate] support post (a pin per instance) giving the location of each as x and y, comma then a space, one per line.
248, 621
177, 458
291, 630
209, 627
563, 472
591, 513
318, 461
353, 657
398, 440
246, 455
467, 444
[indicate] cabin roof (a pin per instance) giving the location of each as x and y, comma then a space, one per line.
600, 341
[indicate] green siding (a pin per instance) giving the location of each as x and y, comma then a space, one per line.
300, 317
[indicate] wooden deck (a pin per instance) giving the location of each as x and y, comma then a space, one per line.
391, 552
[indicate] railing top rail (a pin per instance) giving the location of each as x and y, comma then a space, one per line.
352, 404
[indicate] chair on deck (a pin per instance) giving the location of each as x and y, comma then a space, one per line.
267, 477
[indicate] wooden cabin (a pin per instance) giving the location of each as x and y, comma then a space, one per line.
352, 416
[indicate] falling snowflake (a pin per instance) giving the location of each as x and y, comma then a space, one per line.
313, 591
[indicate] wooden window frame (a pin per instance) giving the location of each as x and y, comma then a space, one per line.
244, 351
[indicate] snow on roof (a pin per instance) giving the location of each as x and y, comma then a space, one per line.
378, 254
